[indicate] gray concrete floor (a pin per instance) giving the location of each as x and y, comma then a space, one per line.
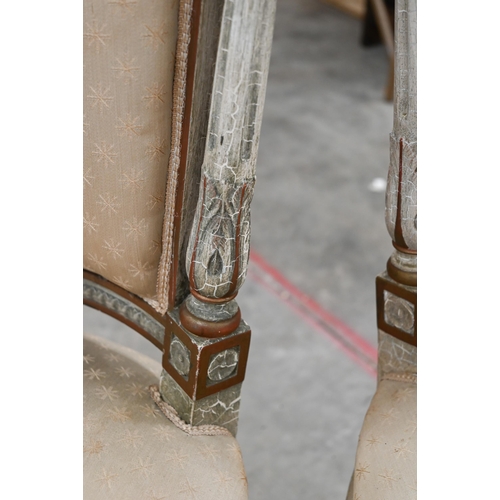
314, 218
325, 137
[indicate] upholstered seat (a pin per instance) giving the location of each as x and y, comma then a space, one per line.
132, 451
387, 451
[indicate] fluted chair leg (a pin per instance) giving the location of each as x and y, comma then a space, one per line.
207, 342
385, 467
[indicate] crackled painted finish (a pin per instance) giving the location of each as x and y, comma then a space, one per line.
223, 364
203, 341
211, 312
401, 197
221, 408
219, 244
180, 357
218, 248
216, 256
385, 466
399, 312
405, 261
395, 356
125, 308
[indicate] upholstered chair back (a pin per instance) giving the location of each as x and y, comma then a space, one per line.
173, 101
129, 59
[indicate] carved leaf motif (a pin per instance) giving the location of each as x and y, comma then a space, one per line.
401, 195
219, 243
215, 264
218, 249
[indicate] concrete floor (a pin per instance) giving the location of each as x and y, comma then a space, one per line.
318, 223
325, 137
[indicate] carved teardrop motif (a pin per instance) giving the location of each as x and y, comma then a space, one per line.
215, 264
218, 249
217, 255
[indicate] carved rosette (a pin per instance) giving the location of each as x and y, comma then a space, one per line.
201, 371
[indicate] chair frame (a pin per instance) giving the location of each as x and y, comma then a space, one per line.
201, 333
396, 287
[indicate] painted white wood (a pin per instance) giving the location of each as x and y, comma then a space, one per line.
401, 199
219, 244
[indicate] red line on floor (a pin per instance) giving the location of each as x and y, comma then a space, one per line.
350, 342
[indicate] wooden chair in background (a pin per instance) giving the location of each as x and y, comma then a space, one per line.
386, 461
378, 26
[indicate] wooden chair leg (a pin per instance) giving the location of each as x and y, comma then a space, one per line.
396, 297
385, 25
207, 342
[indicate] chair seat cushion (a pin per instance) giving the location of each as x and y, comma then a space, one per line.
386, 459
132, 451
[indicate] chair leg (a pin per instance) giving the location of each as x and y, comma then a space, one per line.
207, 342
371, 34
381, 14
397, 286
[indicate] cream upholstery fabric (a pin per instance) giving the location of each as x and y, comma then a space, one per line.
132, 451
386, 459
129, 52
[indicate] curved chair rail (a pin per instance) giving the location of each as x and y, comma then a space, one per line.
128, 308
